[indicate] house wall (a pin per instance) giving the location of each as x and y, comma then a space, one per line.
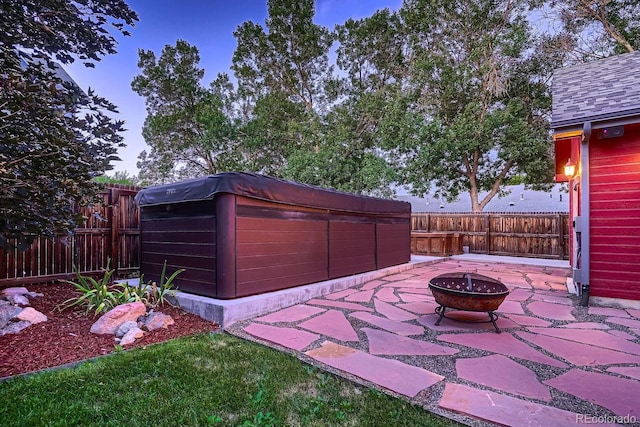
615, 214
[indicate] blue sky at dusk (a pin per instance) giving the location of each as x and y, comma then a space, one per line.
207, 24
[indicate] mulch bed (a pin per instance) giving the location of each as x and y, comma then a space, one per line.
65, 336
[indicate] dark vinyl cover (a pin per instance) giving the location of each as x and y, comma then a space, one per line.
267, 188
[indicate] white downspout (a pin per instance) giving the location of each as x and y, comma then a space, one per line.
585, 265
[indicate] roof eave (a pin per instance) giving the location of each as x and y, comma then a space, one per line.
628, 116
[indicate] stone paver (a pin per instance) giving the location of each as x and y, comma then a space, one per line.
554, 299
630, 371
550, 310
386, 343
339, 304
388, 373
400, 328
586, 325
464, 321
287, 337
420, 291
500, 372
597, 388
608, 311
393, 318
363, 296
577, 353
387, 295
334, 324
412, 297
519, 295
631, 323
502, 344
501, 409
290, 314
593, 337
340, 294
511, 307
528, 320
622, 334
372, 285
419, 307
392, 312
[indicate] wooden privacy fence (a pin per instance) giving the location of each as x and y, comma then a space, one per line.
541, 235
111, 231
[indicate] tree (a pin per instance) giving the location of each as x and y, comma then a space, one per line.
54, 138
189, 127
305, 121
599, 28
473, 113
119, 177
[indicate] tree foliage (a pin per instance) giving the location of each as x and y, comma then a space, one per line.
54, 138
187, 127
598, 28
477, 110
445, 97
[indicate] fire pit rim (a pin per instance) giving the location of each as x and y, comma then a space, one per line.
474, 276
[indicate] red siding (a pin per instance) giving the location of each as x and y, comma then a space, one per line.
615, 215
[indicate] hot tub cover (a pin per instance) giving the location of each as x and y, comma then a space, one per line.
269, 189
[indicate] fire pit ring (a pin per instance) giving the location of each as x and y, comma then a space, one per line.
468, 292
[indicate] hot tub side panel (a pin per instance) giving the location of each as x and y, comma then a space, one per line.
352, 245
393, 241
183, 234
278, 246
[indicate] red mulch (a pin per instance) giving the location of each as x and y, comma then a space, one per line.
65, 336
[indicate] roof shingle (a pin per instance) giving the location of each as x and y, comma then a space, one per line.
598, 90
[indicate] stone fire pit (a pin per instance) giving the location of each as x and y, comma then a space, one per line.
468, 292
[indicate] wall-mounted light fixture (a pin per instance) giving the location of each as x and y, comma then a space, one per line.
569, 169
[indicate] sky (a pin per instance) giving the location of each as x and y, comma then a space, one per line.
206, 24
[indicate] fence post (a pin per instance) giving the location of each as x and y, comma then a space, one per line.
113, 224
560, 236
487, 224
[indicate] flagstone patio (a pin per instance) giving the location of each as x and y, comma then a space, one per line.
555, 363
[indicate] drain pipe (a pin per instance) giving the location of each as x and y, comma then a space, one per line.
585, 215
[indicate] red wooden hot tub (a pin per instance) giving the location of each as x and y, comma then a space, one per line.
239, 234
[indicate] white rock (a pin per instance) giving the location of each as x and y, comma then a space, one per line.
31, 315
14, 291
131, 336
17, 299
125, 327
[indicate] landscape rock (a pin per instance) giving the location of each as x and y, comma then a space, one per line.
158, 320
14, 327
34, 295
131, 336
8, 312
17, 299
14, 291
109, 322
125, 327
31, 315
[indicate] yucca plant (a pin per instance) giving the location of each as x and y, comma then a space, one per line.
97, 295
160, 294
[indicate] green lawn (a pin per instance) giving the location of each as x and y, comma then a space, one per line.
212, 379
